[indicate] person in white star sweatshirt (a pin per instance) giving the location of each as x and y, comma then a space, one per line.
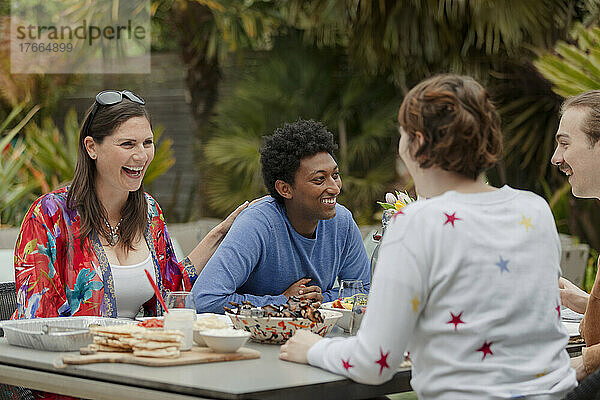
466, 280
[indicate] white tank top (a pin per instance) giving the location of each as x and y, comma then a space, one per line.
132, 288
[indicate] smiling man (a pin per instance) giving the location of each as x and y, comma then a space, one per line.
295, 242
577, 154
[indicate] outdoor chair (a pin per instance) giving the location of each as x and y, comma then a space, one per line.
8, 304
8, 301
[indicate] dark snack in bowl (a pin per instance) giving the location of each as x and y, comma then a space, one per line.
294, 308
242, 309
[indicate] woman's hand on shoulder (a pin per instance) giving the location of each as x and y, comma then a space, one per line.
224, 226
222, 229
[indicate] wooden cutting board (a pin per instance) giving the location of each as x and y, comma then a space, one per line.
196, 355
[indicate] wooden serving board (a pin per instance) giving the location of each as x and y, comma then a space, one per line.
196, 355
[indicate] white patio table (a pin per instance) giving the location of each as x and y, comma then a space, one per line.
264, 378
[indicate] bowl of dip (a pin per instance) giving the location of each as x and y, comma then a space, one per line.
206, 322
224, 340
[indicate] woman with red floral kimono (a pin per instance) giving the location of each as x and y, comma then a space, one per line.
74, 240
82, 249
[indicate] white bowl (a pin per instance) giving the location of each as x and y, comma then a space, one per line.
224, 340
278, 330
199, 340
216, 321
343, 322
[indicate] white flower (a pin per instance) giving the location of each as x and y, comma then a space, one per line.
403, 197
390, 198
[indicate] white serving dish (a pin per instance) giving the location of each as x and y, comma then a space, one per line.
224, 340
223, 321
278, 330
572, 328
28, 332
198, 316
199, 340
343, 322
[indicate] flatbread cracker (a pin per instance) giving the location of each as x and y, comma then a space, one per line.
100, 347
115, 331
169, 352
121, 344
142, 341
155, 345
160, 336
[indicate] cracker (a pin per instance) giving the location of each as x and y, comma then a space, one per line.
160, 336
115, 331
169, 352
112, 342
152, 345
100, 347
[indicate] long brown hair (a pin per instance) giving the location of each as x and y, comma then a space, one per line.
82, 193
459, 122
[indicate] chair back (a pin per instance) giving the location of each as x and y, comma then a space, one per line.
8, 301
7, 267
574, 260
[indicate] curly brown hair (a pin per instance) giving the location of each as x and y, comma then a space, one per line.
282, 152
459, 122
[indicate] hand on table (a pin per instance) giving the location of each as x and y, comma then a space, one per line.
302, 291
296, 348
579, 367
311, 293
571, 296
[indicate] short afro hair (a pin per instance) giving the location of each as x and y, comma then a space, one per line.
282, 151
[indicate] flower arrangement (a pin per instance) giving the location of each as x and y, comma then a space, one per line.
395, 201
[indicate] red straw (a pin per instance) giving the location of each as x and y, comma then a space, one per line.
156, 291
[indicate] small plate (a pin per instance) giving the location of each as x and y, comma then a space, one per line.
222, 317
572, 328
343, 322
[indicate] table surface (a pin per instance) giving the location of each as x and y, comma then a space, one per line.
267, 377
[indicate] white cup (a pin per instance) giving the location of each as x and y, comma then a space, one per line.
182, 319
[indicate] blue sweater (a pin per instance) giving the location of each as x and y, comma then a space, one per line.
262, 255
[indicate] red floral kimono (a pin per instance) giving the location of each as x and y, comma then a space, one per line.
58, 273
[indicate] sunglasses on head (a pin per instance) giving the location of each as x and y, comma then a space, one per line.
110, 98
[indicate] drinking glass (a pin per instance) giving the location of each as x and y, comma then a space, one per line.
350, 288
358, 312
181, 316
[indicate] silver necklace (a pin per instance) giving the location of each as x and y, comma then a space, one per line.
114, 236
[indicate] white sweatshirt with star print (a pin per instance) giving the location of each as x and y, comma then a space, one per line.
468, 284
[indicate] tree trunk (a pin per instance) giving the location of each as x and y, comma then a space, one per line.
203, 75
